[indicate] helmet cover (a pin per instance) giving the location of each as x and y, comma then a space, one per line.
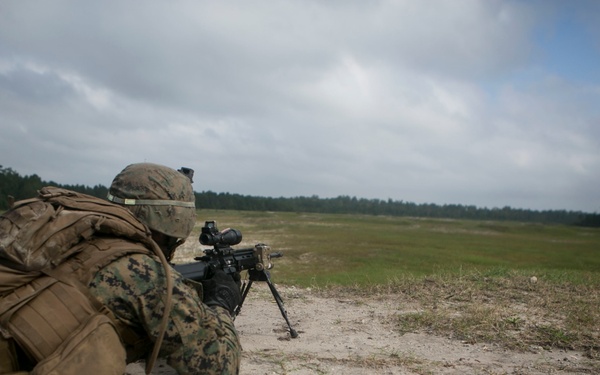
160, 197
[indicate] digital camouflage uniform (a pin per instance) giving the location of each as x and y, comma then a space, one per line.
199, 339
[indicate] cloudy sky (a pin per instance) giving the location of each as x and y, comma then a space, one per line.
486, 103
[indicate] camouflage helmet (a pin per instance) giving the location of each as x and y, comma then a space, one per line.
160, 197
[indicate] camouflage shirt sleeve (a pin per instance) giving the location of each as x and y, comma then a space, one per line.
198, 340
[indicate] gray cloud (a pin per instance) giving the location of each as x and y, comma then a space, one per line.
449, 103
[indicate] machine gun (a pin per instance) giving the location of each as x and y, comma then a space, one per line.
256, 261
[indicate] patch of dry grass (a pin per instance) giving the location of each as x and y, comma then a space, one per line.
512, 310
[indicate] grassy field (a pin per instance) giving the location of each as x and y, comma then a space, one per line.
520, 286
322, 249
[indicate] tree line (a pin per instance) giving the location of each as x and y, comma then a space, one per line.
17, 187
353, 205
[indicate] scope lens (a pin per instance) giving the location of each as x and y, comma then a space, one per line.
227, 237
231, 237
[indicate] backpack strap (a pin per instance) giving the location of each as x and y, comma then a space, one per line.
135, 344
41, 315
13, 301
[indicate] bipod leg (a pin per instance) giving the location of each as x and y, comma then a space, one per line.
279, 301
244, 291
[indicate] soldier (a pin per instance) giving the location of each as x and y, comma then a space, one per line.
135, 287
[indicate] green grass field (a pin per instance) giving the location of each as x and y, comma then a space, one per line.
322, 249
471, 280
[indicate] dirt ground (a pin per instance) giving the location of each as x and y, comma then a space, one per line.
350, 336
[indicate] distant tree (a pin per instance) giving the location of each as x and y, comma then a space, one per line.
12, 184
21, 187
589, 220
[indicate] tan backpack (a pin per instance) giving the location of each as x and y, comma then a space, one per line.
45, 306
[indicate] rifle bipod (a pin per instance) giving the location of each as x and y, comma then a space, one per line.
255, 275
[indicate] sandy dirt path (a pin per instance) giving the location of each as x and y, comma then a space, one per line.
351, 336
